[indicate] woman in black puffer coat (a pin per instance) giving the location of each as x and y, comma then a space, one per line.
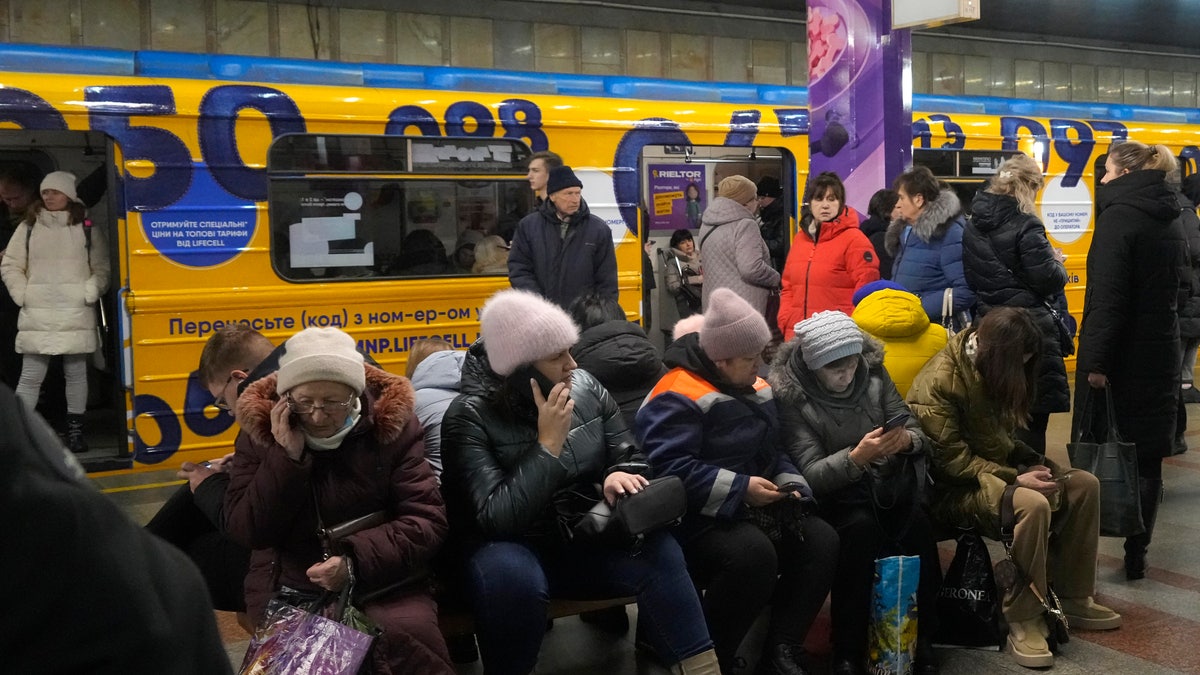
528, 433
1129, 337
1009, 262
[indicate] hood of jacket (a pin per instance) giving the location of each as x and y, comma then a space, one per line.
931, 224
387, 407
440, 370
990, 211
1144, 190
619, 354
724, 210
891, 313
794, 382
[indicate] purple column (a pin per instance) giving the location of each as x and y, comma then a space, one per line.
861, 107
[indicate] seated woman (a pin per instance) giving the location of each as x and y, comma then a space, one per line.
834, 397
615, 351
970, 398
529, 432
683, 273
712, 421
325, 440
491, 256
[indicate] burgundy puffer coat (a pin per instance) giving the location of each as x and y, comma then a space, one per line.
381, 464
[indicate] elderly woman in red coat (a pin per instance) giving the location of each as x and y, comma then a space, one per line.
326, 440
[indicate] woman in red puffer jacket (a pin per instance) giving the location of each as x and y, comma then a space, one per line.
830, 257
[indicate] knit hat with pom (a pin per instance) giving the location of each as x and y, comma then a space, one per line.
732, 327
826, 337
321, 354
519, 327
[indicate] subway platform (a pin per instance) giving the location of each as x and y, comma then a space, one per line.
1161, 633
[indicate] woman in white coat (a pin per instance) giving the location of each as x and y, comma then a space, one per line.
56, 269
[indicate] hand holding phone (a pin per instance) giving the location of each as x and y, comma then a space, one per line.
897, 421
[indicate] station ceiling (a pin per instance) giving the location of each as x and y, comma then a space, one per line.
1162, 23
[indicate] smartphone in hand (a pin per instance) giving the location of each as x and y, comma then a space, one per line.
897, 421
788, 487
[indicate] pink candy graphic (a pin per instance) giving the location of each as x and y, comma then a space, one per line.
826, 40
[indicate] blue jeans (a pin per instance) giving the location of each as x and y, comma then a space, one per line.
511, 585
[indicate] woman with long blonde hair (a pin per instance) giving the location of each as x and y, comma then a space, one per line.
1009, 262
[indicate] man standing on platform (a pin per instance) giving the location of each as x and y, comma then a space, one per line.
561, 251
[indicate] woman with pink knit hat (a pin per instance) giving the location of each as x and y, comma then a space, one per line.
713, 422
529, 431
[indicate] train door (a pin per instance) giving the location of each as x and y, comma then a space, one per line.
26, 156
677, 186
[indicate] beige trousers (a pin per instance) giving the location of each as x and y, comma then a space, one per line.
1070, 560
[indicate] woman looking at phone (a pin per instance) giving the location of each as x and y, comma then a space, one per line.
848, 431
971, 398
529, 432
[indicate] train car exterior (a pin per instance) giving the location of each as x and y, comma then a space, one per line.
231, 178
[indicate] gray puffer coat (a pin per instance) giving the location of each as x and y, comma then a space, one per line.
820, 429
735, 255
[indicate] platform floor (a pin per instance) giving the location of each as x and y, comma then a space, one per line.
1162, 612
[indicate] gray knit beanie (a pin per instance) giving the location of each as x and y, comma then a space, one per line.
826, 337
321, 354
732, 327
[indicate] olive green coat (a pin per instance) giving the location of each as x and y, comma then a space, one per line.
974, 455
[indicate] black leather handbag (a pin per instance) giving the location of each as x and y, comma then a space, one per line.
660, 504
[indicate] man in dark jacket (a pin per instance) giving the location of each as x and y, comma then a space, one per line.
772, 220
1189, 311
193, 517
561, 251
105, 597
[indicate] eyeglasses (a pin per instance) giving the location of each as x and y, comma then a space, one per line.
327, 407
220, 403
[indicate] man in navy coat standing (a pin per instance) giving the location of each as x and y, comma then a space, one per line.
562, 251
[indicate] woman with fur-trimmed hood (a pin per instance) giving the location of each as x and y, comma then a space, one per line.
834, 396
926, 241
326, 440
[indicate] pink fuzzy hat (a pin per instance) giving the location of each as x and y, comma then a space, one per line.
732, 327
519, 327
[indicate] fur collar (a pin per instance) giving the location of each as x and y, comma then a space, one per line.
931, 224
387, 408
786, 383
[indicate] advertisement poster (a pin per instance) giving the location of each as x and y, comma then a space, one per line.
678, 195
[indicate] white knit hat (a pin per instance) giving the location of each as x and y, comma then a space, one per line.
63, 181
519, 327
732, 327
321, 354
828, 336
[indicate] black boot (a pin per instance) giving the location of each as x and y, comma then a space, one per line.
75, 440
1150, 493
783, 659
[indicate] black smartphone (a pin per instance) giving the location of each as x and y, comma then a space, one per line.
527, 373
897, 421
788, 487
